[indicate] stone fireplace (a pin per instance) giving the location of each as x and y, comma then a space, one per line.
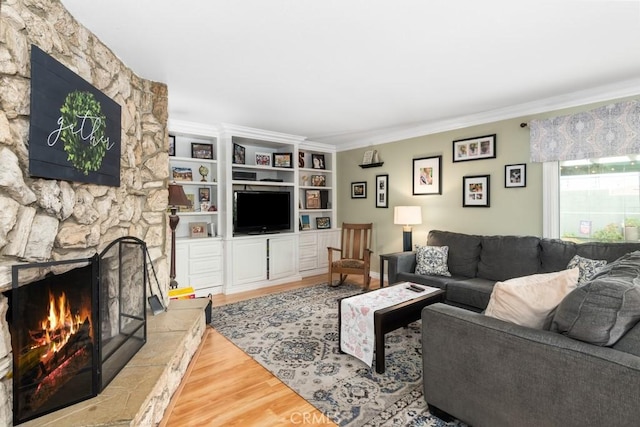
50, 220
75, 328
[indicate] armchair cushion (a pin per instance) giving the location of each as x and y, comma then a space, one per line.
348, 263
432, 260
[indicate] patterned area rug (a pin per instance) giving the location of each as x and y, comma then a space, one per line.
294, 335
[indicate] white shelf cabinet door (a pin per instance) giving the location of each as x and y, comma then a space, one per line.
182, 263
326, 239
282, 257
249, 260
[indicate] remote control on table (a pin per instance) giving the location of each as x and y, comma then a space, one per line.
415, 289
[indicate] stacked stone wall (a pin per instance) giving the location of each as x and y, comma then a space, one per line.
43, 220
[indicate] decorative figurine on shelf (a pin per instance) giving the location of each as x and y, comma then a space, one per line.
376, 156
213, 208
204, 171
305, 178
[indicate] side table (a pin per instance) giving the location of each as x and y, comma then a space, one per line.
383, 258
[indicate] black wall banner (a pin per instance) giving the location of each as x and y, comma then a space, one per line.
75, 129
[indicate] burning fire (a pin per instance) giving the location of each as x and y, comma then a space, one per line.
60, 324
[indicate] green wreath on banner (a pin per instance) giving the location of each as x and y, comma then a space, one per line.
85, 155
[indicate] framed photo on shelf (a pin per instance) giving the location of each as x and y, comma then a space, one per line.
359, 190
318, 180
427, 175
475, 191
481, 147
238, 154
201, 151
382, 191
313, 199
323, 222
282, 160
317, 161
204, 194
198, 229
172, 145
263, 159
181, 174
515, 176
305, 224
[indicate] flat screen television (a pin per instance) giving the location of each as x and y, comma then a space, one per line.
261, 211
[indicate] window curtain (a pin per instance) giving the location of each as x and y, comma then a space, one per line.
612, 130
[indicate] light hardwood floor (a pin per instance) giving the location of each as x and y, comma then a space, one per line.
223, 386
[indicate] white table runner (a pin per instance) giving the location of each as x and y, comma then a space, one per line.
357, 335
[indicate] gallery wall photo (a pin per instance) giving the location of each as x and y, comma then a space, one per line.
75, 129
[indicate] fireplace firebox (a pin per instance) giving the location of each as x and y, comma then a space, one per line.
74, 325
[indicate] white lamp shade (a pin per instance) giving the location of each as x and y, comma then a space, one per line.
407, 215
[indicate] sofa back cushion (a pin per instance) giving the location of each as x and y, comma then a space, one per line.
464, 251
555, 254
607, 251
506, 257
604, 309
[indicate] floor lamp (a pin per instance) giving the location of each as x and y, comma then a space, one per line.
407, 216
176, 198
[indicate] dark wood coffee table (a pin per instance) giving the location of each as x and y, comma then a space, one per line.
396, 316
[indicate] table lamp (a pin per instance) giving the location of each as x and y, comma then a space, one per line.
407, 216
176, 198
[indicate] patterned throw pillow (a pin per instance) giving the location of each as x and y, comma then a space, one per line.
588, 267
432, 260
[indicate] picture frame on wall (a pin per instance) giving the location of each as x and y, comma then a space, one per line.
172, 145
282, 160
515, 175
475, 191
427, 175
323, 222
201, 151
477, 148
238, 154
359, 190
382, 191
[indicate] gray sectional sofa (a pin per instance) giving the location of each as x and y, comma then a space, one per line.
488, 372
476, 262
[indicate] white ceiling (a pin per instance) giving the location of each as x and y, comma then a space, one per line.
353, 73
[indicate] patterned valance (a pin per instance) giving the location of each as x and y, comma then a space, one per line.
612, 130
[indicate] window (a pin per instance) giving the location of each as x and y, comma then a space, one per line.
598, 199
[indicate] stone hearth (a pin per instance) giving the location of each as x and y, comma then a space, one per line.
140, 393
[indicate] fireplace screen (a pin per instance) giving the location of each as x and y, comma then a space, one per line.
74, 325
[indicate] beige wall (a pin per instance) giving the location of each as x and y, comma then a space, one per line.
512, 211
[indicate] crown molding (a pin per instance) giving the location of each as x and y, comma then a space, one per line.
610, 92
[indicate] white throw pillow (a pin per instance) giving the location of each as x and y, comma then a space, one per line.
531, 300
432, 260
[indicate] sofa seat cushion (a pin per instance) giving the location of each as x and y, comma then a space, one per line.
506, 257
432, 260
434, 281
604, 309
531, 300
474, 292
464, 251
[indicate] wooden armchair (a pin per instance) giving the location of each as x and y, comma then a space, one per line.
354, 254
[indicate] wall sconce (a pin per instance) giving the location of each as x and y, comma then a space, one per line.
407, 216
